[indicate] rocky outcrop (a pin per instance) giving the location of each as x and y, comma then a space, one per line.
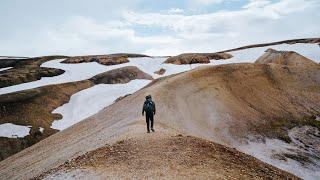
288, 58
111, 59
35, 61
160, 71
16, 76
26, 70
105, 60
192, 58
120, 75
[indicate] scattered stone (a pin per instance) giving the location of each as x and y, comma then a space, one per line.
121, 97
160, 71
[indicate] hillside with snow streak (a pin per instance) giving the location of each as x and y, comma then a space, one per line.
211, 102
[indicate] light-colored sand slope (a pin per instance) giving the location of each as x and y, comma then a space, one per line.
221, 103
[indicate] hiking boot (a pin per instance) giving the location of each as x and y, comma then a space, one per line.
152, 130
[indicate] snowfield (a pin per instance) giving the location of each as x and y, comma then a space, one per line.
83, 71
41, 129
88, 102
10, 130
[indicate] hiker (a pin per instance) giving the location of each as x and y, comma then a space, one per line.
150, 108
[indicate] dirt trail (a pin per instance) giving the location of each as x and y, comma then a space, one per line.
164, 154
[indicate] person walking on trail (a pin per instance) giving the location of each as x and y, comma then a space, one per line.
150, 108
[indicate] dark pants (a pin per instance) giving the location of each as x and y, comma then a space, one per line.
149, 119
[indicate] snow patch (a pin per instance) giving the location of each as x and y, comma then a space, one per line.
88, 102
304, 151
10, 130
6, 68
150, 65
41, 129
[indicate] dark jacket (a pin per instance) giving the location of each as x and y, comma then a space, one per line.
144, 106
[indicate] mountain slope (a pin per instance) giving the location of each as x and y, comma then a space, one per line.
220, 103
34, 107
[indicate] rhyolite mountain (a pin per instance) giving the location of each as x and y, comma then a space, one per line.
212, 121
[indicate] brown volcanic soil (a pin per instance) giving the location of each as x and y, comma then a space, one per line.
262, 99
168, 156
192, 58
288, 58
111, 59
33, 107
26, 70
120, 75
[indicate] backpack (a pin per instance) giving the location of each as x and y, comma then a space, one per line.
149, 106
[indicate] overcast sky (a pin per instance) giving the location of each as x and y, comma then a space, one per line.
153, 27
